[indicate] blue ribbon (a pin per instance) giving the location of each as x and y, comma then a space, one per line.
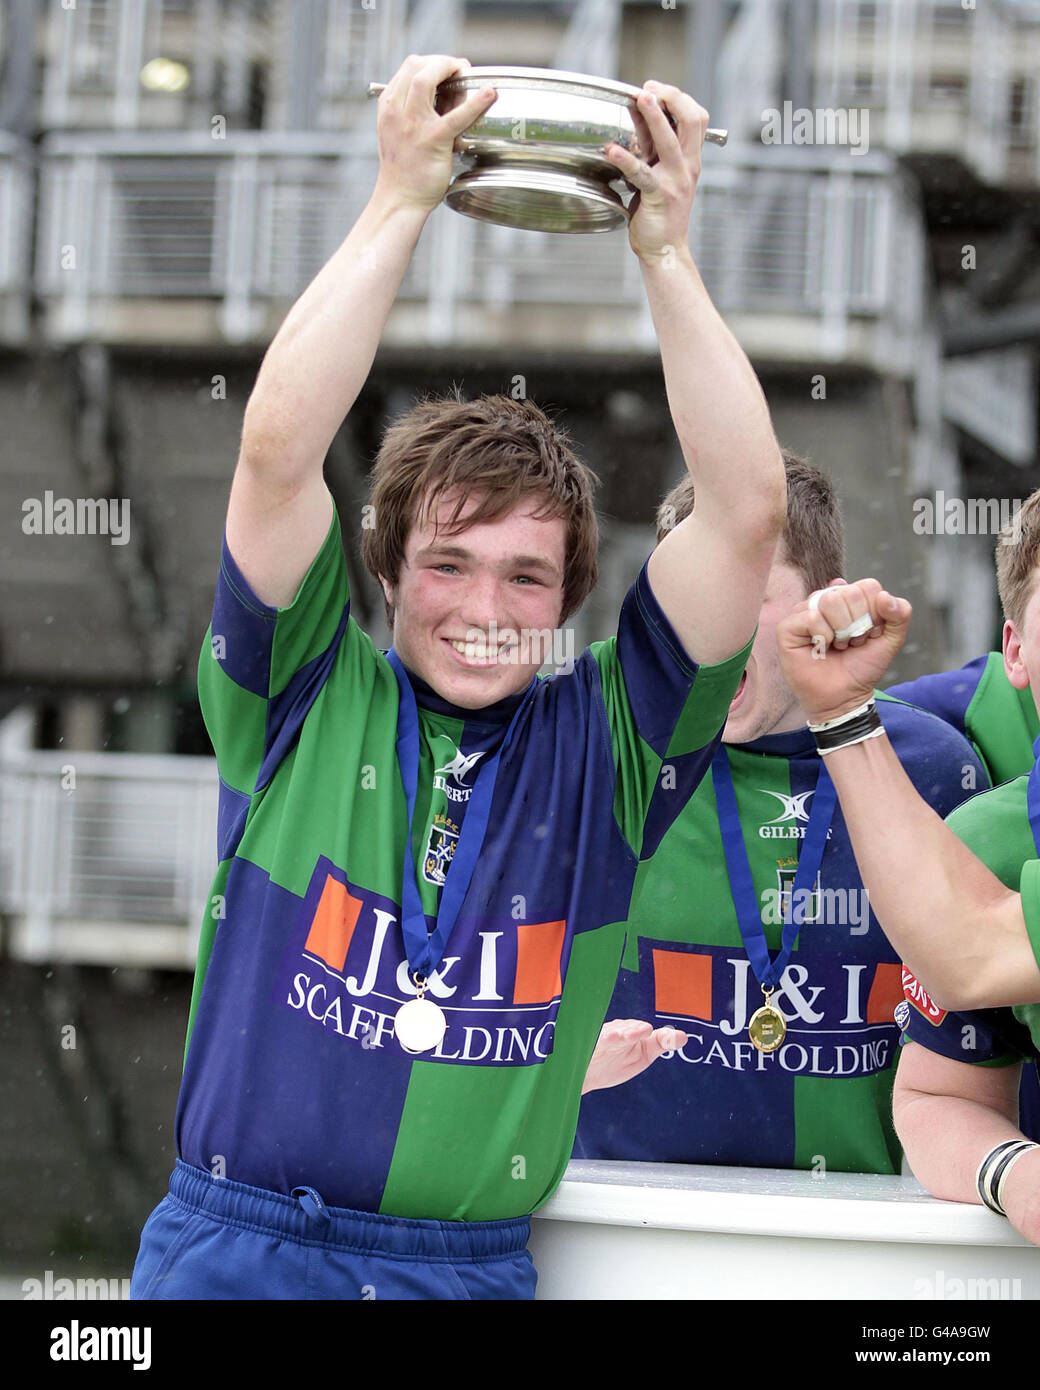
745, 900
425, 949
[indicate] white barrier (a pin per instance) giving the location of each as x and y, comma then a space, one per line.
671, 1231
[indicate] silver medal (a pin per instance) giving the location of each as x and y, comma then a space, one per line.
420, 1024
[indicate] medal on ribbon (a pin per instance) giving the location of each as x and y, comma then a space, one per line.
767, 1027
420, 1024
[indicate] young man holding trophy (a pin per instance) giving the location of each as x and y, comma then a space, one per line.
424, 856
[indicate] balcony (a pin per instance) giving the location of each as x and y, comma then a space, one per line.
165, 238
106, 857
937, 77
934, 75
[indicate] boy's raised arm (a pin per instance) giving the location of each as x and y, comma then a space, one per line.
319, 360
709, 573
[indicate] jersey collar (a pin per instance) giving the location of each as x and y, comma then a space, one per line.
501, 712
796, 743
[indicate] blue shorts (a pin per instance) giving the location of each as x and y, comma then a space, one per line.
213, 1238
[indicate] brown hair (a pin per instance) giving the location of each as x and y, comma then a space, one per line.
496, 450
1018, 553
813, 534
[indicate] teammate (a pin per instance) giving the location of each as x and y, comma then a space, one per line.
424, 857
821, 1098
1002, 723
963, 933
958, 1090
956, 1095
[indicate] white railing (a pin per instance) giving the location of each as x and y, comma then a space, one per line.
993, 396
248, 221
362, 44
635, 1231
106, 857
933, 74
937, 76
96, 51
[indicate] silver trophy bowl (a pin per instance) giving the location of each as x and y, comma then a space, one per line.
535, 158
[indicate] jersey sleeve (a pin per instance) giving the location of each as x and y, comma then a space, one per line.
947, 693
260, 669
980, 1037
942, 764
991, 825
665, 713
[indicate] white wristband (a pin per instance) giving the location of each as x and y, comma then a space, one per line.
845, 718
992, 1172
1008, 1167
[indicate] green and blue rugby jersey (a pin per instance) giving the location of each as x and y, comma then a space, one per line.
823, 1099
980, 701
995, 827
293, 1074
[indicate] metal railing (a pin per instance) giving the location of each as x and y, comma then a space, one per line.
247, 222
933, 73
993, 396
106, 856
97, 50
936, 75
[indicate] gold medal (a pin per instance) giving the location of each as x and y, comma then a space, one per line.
766, 1027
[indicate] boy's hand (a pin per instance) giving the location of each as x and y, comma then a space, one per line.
625, 1048
666, 176
831, 676
415, 143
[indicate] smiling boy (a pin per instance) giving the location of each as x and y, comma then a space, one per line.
424, 855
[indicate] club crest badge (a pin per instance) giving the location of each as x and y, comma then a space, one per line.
786, 872
440, 850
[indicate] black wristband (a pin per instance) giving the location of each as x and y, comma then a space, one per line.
993, 1168
982, 1177
853, 730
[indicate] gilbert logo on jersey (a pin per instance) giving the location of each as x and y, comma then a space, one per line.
452, 776
795, 810
499, 985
